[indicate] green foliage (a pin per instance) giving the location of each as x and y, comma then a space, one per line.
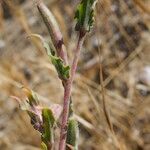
48, 123
72, 133
84, 15
32, 98
31, 106
43, 146
62, 70
43, 118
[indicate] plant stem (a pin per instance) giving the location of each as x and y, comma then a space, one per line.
76, 55
67, 93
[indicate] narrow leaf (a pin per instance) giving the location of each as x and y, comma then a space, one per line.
50, 23
85, 15
43, 146
48, 123
32, 97
49, 47
62, 70
73, 133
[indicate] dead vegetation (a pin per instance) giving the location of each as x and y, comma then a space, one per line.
121, 33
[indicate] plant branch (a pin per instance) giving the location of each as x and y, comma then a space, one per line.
76, 55
67, 93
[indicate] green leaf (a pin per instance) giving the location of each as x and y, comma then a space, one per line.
32, 97
43, 146
73, 133
62, 70
49, 47
85, 15
48, 123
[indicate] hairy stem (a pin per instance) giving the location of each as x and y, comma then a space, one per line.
67, 94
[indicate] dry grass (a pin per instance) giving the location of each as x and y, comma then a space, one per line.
124, 41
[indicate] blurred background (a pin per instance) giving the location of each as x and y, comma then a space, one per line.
121, 32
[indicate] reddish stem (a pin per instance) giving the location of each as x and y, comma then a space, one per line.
67, 94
